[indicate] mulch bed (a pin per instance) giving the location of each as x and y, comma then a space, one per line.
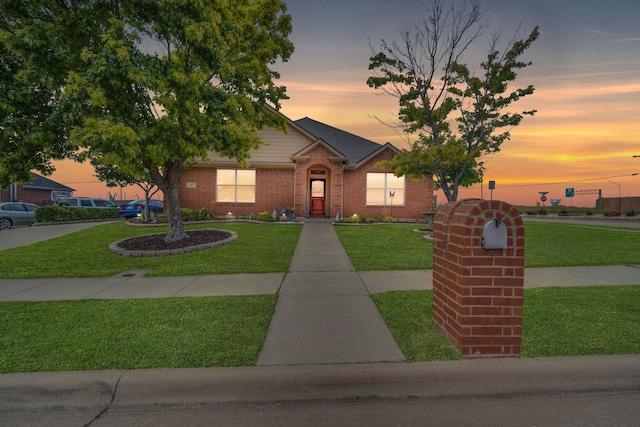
156, 242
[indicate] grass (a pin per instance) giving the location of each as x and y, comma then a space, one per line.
263, 248
397, 247
230, 331
581, 321
560, 245
408, 316
556, 322
133, 334
259, 248
386, 247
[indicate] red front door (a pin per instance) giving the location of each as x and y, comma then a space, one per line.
317, 203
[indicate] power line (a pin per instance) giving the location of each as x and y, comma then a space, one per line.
568, 182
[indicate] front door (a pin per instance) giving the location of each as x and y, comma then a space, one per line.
317, 203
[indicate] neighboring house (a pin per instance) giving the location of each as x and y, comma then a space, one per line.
313, 168
41, 191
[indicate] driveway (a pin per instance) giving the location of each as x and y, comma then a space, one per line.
22, 236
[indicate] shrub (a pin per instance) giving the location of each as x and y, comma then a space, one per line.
542, 211
265, 216
202, 214
187, 214
631, 213
358, 218
64, 213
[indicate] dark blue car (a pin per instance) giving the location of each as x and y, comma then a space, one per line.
136, 207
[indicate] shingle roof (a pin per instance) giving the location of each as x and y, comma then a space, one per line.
42, 183
353, 147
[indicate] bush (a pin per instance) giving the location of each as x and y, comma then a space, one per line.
631, 213
202, 214
187, 214
64, 213
265, 216
358, 218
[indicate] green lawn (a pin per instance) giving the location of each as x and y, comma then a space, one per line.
133, 334
263, 248
556, 322
397, 247
260, 248
230, 331
561, 245
386, 247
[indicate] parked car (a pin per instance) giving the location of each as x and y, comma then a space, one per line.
135, 207
16, 213
85, 202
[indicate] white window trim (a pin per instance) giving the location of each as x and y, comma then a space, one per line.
236, 185
387, 200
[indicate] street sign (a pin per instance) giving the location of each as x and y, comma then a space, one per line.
543, 198
569, 192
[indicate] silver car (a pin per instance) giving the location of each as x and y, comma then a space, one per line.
16, 213
85, 202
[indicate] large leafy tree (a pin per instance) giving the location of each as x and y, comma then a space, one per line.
111, 174
454, 114
156, 84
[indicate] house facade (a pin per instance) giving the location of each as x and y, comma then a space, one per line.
314, 169
40, 191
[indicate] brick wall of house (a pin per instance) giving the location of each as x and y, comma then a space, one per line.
273, 191
478, 292
27, 195
277, 188
419, 195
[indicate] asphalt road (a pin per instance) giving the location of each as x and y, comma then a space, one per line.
615, 408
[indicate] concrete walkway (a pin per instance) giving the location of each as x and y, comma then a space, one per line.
324, 312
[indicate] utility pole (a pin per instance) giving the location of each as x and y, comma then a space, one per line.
619, 199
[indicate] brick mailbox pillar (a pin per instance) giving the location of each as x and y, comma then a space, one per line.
477, 289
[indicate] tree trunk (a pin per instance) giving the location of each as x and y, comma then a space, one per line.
168, 183
451, 197
176, 226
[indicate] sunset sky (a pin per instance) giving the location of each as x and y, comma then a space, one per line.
586, 72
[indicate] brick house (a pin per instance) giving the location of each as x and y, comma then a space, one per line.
40, 191
313, 168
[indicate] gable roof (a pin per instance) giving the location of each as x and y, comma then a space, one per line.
353, 147
39, 182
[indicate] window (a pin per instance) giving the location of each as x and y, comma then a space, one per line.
236, 185
380, 188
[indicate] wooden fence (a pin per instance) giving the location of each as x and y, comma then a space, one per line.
618, 204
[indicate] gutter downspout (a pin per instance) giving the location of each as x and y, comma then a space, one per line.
342, 194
